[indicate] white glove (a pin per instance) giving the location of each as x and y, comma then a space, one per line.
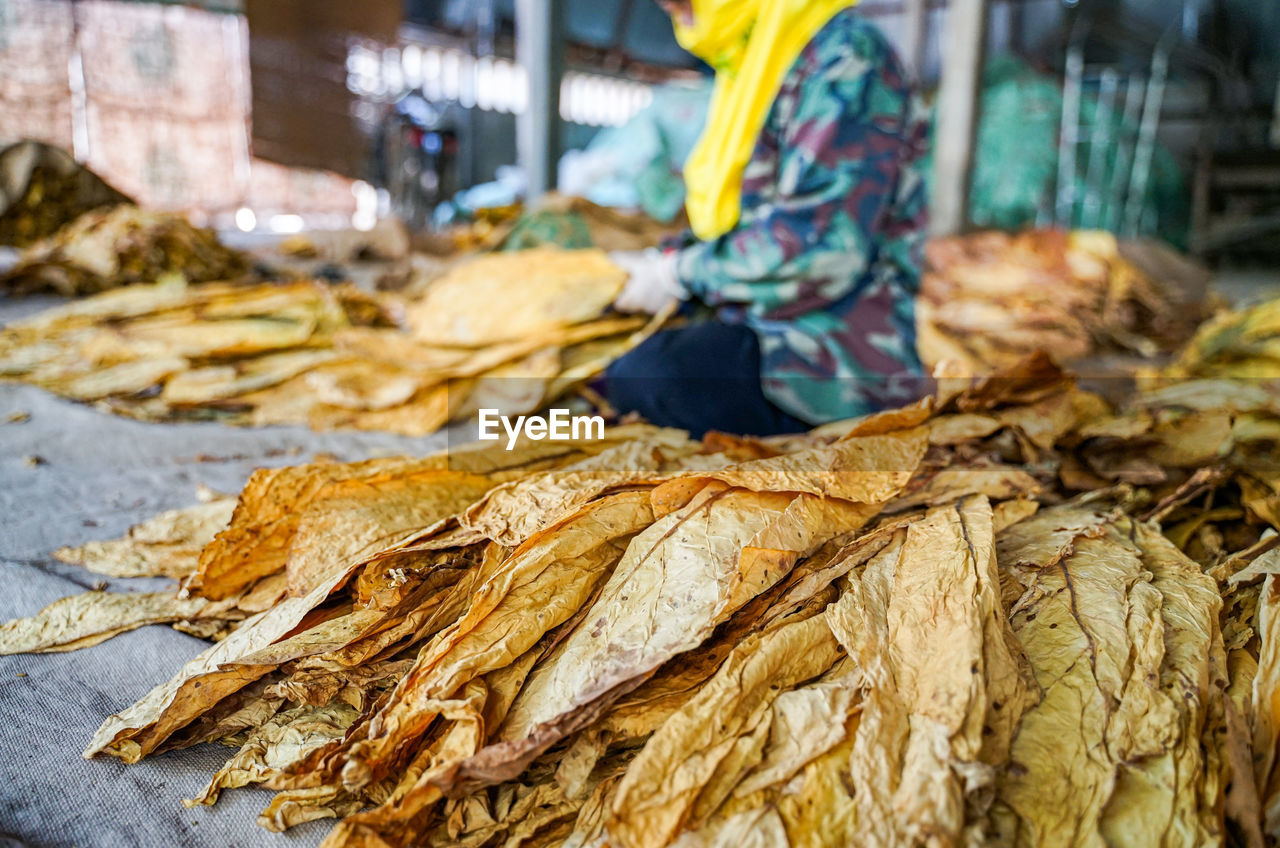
651, 280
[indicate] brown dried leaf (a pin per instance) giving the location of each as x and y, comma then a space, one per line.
266, 520
255, 648
357, 518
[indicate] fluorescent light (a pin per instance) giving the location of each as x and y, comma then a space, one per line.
246, 221
286, 223
366, 214
490, 83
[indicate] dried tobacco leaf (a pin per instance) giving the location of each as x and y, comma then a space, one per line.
541, 584
84, 620
689, 767
557, 288
334, 357
859, 469
988, 298
698, 565
259, 645
275, 501
119, 245
44, 189
687, 564
514, 511
592, 643
356, 518
284, 739
1266, 703
1120, 630
167, 545
218, 382
947, 685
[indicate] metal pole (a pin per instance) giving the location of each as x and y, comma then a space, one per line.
963, 47
1069, 136
1016, 22
917, 38
540, 51
1144, 151
1099, 149
1127, 140
1275, 125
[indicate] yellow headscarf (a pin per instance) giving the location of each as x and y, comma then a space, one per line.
751, 44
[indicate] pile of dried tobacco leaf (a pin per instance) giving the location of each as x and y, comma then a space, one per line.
119, 246
43, 188
903, 630
1242, 345
990, 298
334, 356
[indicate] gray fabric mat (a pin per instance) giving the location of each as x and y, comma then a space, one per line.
99, 475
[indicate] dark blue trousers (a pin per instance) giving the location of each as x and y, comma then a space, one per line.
701, 377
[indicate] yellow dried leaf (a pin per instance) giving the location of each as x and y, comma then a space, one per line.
124, 379
1122, 658
217, 382
685, 564
167, 545
1266, 704
422, 414
557, 288
271, 506
962, 427
284, 739
946, 683
353, 519
718, 734
551, 575
84, 620
364, 384
514, 511
864, 469
950, 484
254, 649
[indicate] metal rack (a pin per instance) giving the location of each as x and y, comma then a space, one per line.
1121, 140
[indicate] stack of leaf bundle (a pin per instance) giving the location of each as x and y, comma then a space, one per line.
510, 331
990, 298
114, 247
1242, 345
902, 630
42, 189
